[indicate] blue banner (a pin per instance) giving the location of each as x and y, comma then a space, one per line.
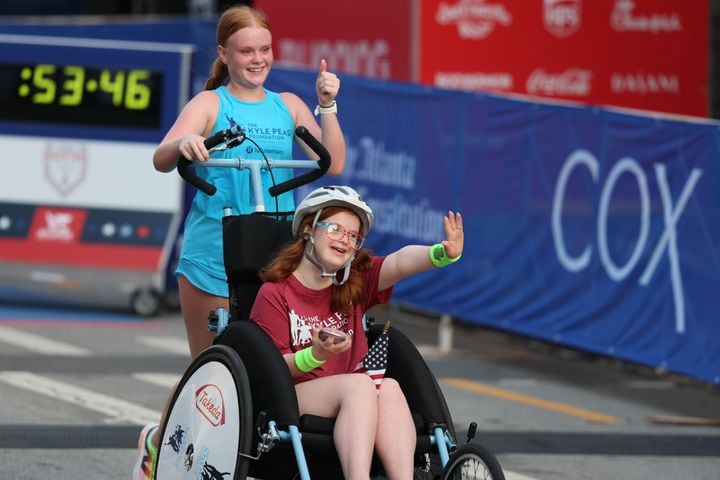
585, 227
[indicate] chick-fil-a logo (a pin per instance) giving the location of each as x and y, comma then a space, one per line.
582, 158
210, 403
623, 19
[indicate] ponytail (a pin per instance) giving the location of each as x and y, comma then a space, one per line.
218, 74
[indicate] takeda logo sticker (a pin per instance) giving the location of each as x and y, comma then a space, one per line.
57, 225
562, 18
65, 165
209, 401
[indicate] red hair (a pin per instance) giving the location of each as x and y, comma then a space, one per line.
288, 259
232, 20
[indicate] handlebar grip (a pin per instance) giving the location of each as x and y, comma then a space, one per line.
323, 164
192, 179
219, 137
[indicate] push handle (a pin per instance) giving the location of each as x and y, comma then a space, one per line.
312, 175
233, 136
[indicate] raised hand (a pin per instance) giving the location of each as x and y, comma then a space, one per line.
454, 236
327, 85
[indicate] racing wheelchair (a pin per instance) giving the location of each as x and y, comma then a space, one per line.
234, 413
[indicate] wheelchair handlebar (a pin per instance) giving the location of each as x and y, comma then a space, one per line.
311, 176
233, 137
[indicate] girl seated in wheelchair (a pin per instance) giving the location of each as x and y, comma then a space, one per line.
324, 279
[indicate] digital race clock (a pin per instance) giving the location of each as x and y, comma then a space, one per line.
74, 93
91, 88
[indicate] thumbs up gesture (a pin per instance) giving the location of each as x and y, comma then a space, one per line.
327, 85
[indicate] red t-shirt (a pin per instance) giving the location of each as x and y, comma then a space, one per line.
289, 311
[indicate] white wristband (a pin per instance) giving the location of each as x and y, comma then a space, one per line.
319, 110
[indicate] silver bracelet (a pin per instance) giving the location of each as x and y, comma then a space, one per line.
320, 110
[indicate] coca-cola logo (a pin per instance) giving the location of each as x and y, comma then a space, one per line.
573, 82
562, 18
623, 19
210, 403
65, 165
474, 19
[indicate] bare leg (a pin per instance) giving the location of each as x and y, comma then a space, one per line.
196, 305
158, 433
352, 399
396, 437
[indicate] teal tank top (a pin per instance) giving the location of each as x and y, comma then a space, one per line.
269, 124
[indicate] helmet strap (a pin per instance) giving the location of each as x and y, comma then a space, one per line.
312, 257
346, 273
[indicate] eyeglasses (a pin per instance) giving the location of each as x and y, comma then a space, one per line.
337, 232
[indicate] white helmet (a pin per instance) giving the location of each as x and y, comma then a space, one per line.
333, 196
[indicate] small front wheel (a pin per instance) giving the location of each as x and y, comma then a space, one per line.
472, 461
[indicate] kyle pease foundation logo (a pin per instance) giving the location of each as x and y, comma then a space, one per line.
562, 18
210, 403
65, 165
474, 19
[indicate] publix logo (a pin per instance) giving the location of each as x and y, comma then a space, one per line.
209, 402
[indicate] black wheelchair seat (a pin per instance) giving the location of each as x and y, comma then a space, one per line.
273, 393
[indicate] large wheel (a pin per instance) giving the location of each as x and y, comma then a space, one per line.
471, 461
208, 428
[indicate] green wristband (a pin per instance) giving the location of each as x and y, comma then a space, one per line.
439, 257
305, 362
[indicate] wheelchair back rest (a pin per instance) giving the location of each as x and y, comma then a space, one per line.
249, 242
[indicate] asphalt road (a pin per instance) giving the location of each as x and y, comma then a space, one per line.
76, 386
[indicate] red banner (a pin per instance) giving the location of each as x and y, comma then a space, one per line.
646, 54
362, 38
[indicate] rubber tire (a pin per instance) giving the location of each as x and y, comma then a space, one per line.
469, 454
228, 360
145, 302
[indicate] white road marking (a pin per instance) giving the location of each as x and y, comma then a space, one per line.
167, 380
119, 411
176, 345
41, 345
516, 476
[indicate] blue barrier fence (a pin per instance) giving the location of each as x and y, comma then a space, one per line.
584, 226
587, 227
